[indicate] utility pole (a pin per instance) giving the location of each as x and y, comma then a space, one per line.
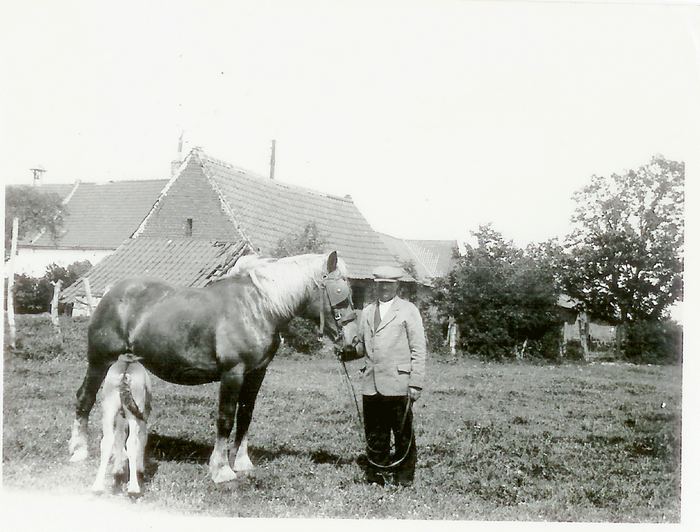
272, 161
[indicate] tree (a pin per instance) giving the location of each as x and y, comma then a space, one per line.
36, 211
300, 333
33, 294
498, 296
624, 258
308, 240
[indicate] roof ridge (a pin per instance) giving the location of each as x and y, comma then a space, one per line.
163, 193
111, 181
274, 182
228, 210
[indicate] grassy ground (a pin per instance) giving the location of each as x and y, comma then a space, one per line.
597, 442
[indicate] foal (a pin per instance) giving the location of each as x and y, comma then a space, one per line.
126, 404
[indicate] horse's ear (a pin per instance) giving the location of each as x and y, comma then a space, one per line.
332, 262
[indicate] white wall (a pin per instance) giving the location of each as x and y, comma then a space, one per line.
33, 262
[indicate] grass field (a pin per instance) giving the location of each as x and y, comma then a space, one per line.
598, 442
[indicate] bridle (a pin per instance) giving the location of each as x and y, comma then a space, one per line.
337, 293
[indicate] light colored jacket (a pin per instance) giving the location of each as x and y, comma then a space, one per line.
395, 352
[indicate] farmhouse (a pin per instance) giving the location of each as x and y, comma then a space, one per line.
98, 218
229, 212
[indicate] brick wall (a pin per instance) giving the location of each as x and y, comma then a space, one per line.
191, 196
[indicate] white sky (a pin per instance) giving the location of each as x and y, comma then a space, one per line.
435, 116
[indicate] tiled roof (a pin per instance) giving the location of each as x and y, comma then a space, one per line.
101, 216
182, 262
268, 210
431, 258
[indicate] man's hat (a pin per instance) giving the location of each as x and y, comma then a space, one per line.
387, 274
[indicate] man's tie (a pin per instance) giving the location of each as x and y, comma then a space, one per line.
377, 318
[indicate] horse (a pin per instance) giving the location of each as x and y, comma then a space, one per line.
227, 331
126, 404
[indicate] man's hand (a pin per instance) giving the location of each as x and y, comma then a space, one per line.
414, 393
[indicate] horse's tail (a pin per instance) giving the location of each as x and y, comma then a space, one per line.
126, 397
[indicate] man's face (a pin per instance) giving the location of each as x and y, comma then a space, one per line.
386, 291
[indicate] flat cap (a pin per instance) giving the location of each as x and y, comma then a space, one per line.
387, 274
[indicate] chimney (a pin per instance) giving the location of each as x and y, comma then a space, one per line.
272, 161
37, 172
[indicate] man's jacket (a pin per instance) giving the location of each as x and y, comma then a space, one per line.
395, 352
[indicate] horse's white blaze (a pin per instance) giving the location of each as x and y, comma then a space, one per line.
242, 461
121, 428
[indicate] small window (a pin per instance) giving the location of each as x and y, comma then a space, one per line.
188, 227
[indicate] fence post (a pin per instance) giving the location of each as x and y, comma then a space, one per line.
54, 306
11, 284
88, 295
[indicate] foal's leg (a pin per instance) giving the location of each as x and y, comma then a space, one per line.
135, 448
219, 465
110, 414
119, 465
86, 396
246, 403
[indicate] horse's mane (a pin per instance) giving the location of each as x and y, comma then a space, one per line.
286, 282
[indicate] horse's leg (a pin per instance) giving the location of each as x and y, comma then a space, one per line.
120, 464
246, 403
135, 447
110, 424
219, 465
86, 395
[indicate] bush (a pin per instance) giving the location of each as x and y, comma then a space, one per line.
573, 350
547, 347
301, 335
653, 342
33, 294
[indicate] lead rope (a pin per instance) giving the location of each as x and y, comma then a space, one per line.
351, 390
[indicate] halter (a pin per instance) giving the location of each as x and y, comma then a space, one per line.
336, 291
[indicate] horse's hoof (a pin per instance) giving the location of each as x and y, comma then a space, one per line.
79, 455
243, 466
224, 474
134, 493
98, 489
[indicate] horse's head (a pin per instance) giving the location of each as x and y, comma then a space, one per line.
332, 305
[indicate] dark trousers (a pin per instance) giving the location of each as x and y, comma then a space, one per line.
384, 415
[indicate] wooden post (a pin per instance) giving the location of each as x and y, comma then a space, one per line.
54, 306
583, 334
452, 335
88, 295
11, 284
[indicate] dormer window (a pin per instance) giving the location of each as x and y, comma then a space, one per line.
188, 227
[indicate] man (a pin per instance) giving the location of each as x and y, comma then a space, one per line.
391, 330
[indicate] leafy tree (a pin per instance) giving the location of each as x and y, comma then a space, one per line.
33, 294
301, 333
308, 240
35, 209
498, 295
624, 258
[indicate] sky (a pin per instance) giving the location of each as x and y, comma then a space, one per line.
435, 117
